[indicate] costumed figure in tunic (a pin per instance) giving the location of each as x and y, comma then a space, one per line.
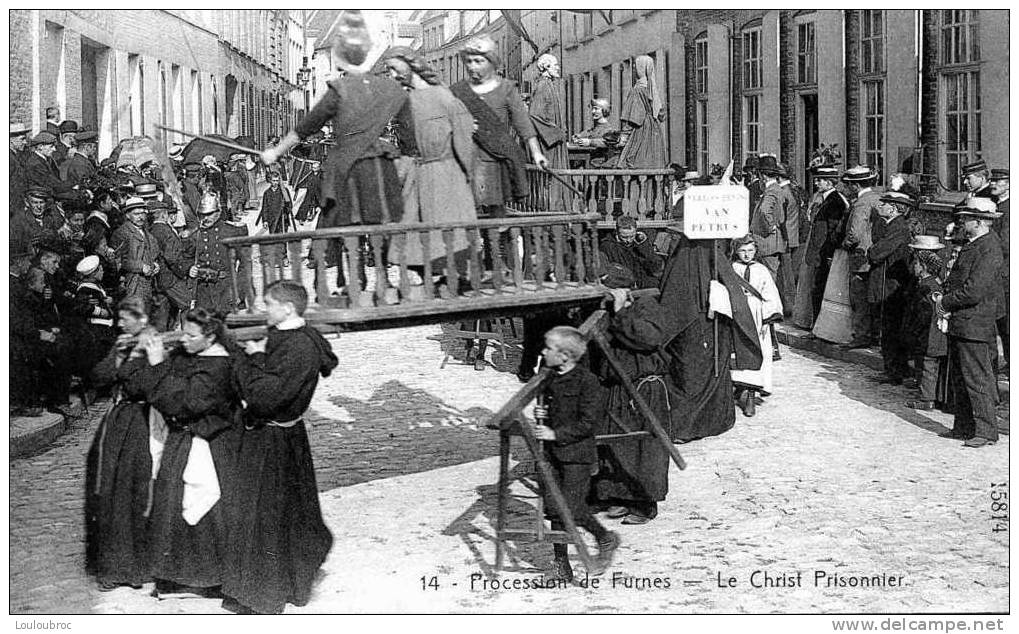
437, 141
119, 474
643, 111
603, 141
633, 475
547, 116
766, 309
279, 539
193, 389
360, 184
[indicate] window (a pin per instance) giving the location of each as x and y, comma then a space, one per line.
752, 58
752, 119
872, 41
960, 36
700, 56
806, 54
702, 135
874, 124
962, 123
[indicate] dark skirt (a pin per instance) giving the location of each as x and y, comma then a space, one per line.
370, 194
634, 470
181, 553
702, 403
278, 537
118, 480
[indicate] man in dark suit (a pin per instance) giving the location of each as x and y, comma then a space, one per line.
41, 171
769, 216
137, 251
65, 141
889, 275
18, 141
971, 300
80, 163
976, 178
53, 120
999, 187
37, 222
858, 240
631, 249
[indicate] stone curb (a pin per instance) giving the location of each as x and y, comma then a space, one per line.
28, 435
797, 338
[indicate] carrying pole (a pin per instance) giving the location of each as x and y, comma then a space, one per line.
233, 146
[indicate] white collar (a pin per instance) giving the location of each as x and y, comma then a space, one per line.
863, 191
215, 350
1003, 198
92, 285
292, 323
825, 194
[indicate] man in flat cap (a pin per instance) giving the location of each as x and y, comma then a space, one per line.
971, 300
889, 274
18, 144
65, 141
976, 178
37, 222
81, 158
860, 180
999, 188
41, 171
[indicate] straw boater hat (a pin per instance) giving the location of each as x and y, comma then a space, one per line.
353, 42
829, 172
977, 207
926, 243
176, 152
20, 129
146, 190
133, 203
691, 175
87, 265
858, 173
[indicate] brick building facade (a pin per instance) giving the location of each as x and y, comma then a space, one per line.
227, 72
921, 91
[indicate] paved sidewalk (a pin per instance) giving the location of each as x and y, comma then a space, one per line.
833, 476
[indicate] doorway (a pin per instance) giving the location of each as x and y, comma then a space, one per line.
810, 137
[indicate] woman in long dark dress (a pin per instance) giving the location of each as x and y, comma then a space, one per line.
193, 390
119, 469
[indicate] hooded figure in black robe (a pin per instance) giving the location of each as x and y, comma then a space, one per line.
279, 539
702, 402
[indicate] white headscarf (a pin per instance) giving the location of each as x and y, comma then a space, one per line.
546, 61
645, 67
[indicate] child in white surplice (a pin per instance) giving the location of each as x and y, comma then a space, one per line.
766, 311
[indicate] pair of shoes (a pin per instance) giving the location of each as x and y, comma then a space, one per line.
615, 512
910, 383
978, 441
636, 518
857, 343
607, 547
747, 403
920, 404
954, 435
479, 364
561, 571
524, 377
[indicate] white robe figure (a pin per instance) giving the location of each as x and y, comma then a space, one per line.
761, 279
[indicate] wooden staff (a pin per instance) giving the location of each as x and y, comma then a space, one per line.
233, 146
565, 182
714, 322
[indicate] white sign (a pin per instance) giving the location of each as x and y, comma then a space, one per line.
716, 211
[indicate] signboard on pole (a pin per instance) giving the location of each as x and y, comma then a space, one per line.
716, 211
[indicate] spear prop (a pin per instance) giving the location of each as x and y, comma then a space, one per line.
233, 146
565, 182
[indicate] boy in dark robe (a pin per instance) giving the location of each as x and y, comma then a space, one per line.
279, 537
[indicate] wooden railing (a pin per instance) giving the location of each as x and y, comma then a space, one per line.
643, 194
531, 261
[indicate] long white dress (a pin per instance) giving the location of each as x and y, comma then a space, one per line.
760, 278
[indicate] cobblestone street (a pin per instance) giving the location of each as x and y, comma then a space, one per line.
833, 475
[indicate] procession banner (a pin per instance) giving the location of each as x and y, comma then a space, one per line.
716, 211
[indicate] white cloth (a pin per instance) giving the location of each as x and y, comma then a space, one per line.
770, 304
157, 439
718, 299
201, 484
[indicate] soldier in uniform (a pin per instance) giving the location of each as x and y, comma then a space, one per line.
211, 271
977, 179
859, 238
971, 301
